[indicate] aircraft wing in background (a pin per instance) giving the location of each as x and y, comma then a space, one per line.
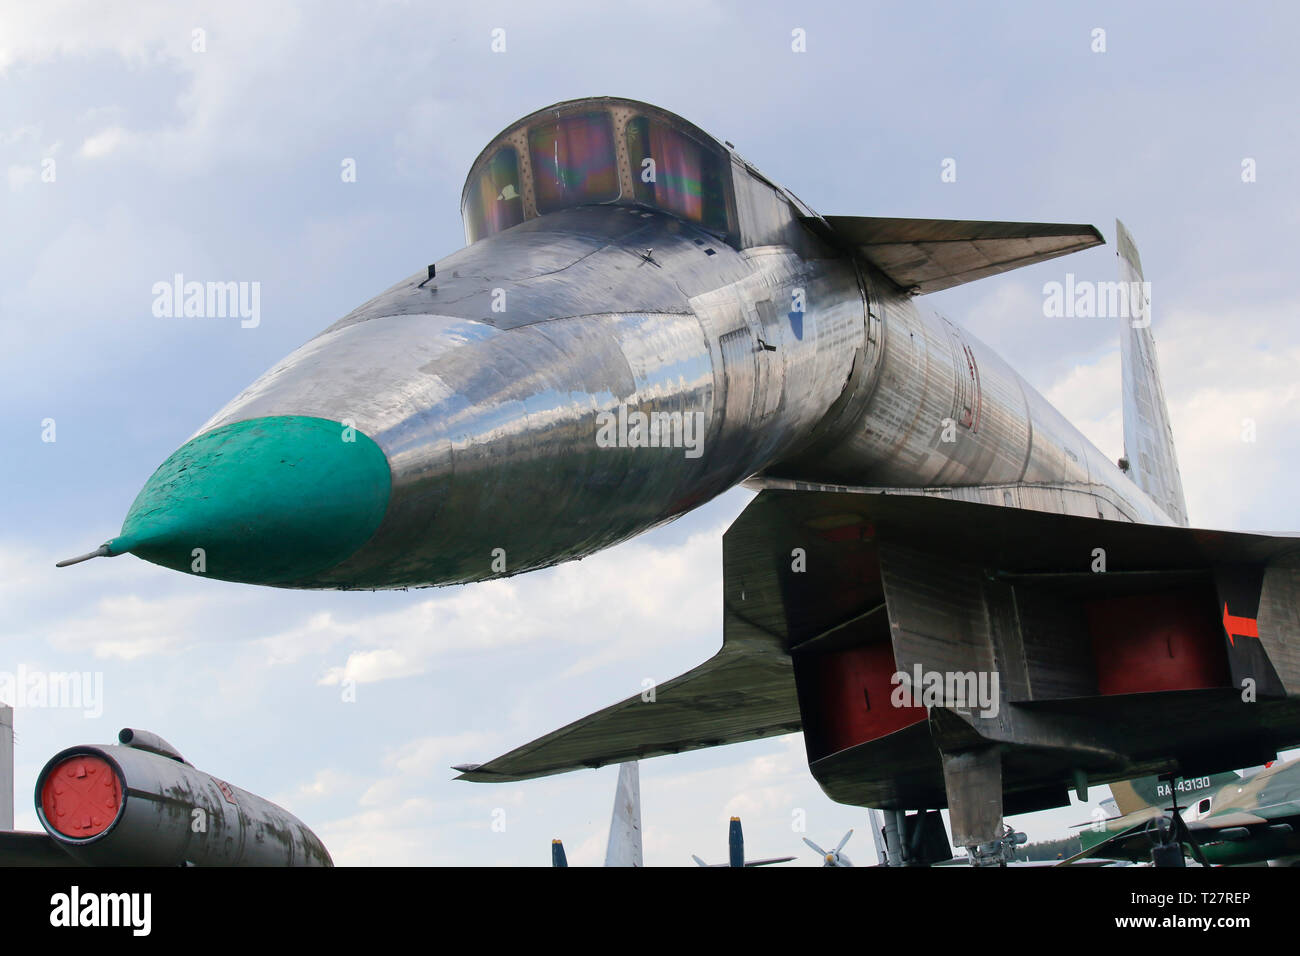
20, 848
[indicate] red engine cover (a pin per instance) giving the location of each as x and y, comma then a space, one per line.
845, 698
1153, 642
81, 797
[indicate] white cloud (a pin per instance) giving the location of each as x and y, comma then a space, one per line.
128, 627
318, 633
368, 667
20, 176
327, 783
34, 33
231, 97
19, 576
1089, 397
1219, 371
611, 605
104, 142
402, 812
20, 134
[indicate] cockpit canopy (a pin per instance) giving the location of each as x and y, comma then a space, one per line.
598, 150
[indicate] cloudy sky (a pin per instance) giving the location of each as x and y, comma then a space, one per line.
127, 155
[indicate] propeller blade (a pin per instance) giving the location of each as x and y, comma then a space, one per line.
736, 843
816, 849
844, 841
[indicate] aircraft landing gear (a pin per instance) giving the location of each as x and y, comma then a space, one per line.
915, 839
1169, 834
1166, 849
973, 779
999, 852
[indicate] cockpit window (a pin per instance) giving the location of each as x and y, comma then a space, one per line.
495, 203
600, 150
674, 172
573, 161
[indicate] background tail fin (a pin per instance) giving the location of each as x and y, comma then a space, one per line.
6, 767
1148, 437
624, 848
1133, 795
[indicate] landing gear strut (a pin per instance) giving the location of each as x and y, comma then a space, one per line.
1168, 834
998, 852
973, 779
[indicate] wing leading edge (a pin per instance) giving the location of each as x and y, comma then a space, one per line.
860, 549
732, 697
929, 255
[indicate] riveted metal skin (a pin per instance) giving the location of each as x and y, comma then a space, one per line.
491, 419
490, 386
172, 814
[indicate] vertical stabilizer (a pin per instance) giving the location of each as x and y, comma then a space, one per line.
1148, 437
624, 847
6, 767
1131, 796
878, 835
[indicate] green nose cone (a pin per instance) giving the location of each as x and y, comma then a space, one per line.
266, 501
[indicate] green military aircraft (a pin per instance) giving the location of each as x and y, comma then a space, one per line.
1223, 819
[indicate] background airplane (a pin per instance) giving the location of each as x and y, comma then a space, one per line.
624, 845
832, 857
736, 850
1230, 819
140, 803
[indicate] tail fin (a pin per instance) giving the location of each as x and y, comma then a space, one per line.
878, 835
624, 847
1148, 437
1133, 795
6, 767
